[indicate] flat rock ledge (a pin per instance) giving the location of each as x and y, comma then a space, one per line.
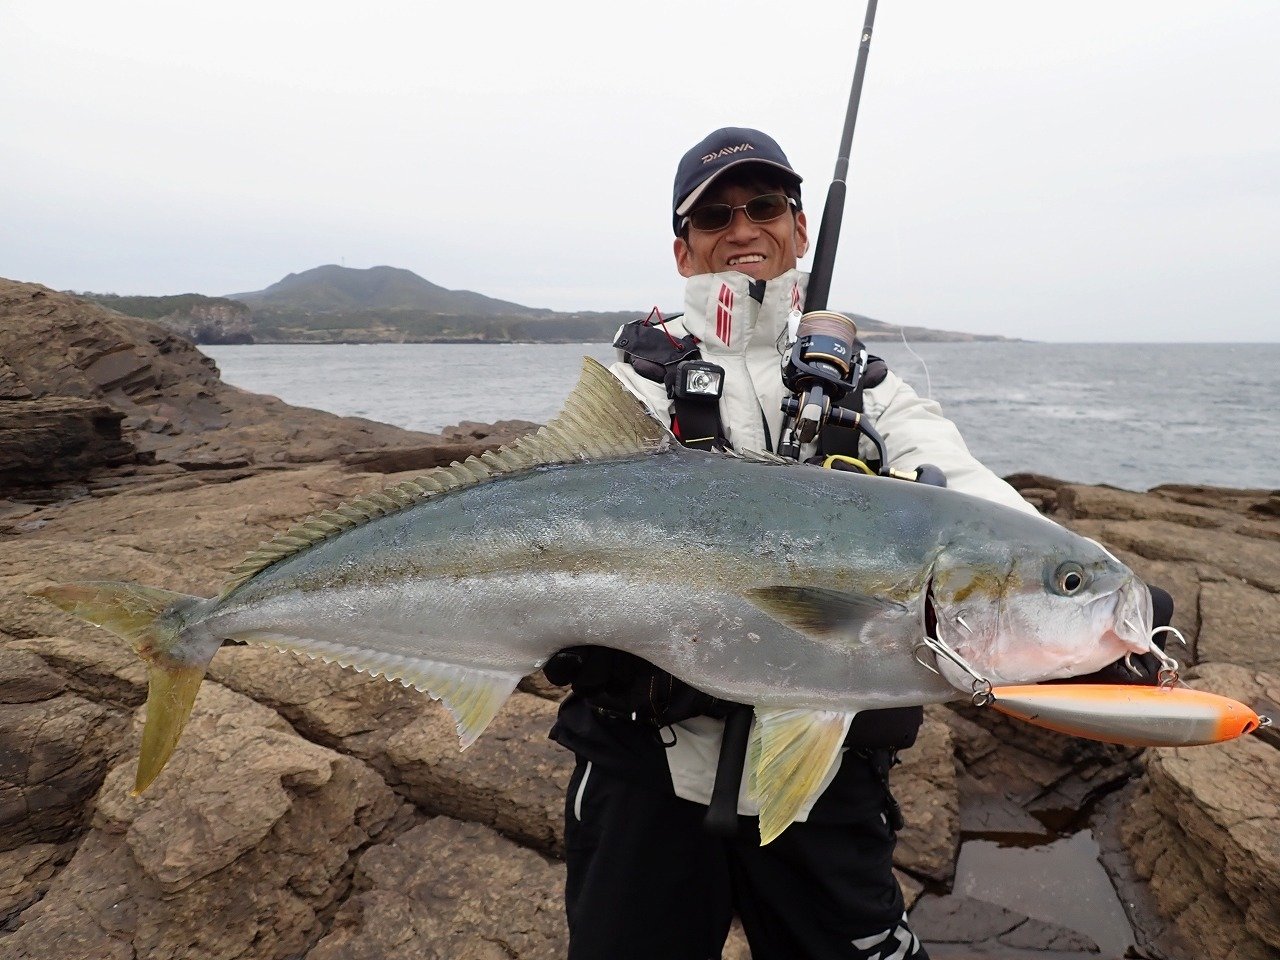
311, 812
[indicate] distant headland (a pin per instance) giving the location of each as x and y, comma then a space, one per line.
334, 304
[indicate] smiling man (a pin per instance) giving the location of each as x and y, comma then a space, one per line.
747, 218
646, 880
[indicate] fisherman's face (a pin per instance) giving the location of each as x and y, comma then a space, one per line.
763, 251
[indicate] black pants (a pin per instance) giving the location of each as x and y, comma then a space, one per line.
647, 882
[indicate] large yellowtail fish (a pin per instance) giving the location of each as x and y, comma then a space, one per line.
802, 592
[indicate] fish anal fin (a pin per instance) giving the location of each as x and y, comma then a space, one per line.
791, 752
474, 695
816, 611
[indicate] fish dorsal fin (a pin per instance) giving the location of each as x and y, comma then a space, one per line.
600, 420
791, 752
759, 456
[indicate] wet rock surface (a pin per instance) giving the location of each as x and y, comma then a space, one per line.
987, 927
314, 812
1203, 833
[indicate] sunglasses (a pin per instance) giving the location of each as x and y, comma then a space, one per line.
717, 216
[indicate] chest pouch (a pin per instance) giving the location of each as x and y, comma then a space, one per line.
693, 385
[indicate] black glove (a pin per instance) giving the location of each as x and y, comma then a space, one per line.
623, 685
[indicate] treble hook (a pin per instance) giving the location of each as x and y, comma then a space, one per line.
916, 652
1167, 676
1177, 635
1128, 662
981, 687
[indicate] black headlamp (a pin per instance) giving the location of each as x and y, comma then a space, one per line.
698, 380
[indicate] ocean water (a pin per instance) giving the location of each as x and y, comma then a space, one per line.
1131, 415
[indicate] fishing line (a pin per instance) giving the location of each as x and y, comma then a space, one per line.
928, 381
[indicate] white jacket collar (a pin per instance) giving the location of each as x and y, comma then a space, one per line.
721, 312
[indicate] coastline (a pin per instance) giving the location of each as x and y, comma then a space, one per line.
312, 811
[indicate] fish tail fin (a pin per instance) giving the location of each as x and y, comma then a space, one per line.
153, 621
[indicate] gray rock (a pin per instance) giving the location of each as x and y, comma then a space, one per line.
175, 407
239, 850
512, 779
1204, 831
448, 890
54, 752
955, 919
25, 874
1239, 625
925, 787
56, 439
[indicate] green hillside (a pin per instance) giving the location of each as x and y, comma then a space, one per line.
333, 304
332, 289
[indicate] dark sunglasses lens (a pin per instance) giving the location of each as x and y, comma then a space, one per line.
768, 207
714, 216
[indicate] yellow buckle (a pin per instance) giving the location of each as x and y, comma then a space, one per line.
850, 460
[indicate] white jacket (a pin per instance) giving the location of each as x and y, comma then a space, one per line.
747, 338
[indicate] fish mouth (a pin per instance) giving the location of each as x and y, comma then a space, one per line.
1131, 624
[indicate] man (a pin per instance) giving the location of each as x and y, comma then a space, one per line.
645, 878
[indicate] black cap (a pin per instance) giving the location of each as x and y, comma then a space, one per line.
722, 150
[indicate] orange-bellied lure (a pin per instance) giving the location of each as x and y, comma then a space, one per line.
1130, 715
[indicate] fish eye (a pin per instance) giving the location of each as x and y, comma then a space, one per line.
1069, 578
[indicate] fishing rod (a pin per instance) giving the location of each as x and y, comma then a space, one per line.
824, 254
819, 365
822, 366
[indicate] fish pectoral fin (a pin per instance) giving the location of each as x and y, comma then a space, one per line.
791, 752
816, 611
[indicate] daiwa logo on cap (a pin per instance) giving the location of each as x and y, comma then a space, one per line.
717, 152
727, 151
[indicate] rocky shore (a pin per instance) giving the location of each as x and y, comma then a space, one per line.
313, 812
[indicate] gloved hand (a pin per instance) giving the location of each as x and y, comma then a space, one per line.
623, 685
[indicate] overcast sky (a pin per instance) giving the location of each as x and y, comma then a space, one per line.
1078, 170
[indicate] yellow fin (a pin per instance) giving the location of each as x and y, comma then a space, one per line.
600, 421
791, 752
152, 620
473, 695
171, 693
